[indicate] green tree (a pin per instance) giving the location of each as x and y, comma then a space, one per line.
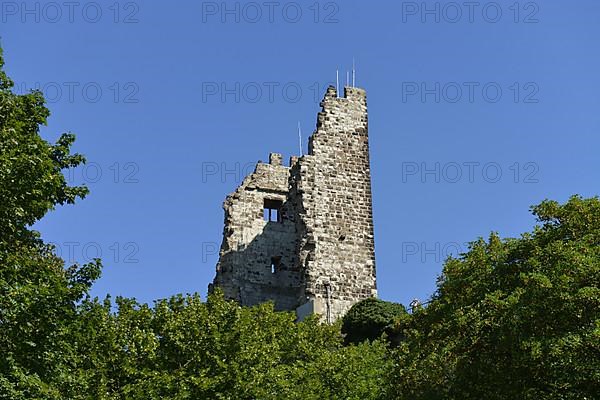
37, 294
512, 319
187, 349
369, 319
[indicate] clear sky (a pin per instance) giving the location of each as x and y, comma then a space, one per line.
477, 111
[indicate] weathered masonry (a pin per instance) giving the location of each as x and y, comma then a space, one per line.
302, 236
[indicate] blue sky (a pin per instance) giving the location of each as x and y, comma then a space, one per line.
476, 113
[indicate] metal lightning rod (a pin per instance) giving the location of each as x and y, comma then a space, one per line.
300, 139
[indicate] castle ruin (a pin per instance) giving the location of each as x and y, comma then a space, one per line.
302, 236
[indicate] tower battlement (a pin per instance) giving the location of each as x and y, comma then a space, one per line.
302, 236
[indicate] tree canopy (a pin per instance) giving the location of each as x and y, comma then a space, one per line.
514, 318
369, 319
37, 294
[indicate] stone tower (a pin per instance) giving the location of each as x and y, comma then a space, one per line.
302, 236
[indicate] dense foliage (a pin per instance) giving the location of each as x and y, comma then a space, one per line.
184, 348
511, 319
369, 319
37, 294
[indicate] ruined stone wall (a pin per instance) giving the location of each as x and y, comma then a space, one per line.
250, 244
334, 189
323, 242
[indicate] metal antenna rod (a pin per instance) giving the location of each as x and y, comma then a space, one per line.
337, 82
300, 138
347, 78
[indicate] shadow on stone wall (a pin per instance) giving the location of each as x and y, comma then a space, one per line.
265, 269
